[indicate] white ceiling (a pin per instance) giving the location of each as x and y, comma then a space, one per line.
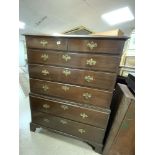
58, 16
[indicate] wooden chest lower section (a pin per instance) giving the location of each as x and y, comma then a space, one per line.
64, 125
67, 110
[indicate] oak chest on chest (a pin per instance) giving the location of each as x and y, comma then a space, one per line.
71, 84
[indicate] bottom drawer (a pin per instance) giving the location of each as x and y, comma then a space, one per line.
70, 127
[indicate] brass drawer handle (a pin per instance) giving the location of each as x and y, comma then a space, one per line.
66, 57
81, 131
45, 87
44, 57
87, 95
43, 42
91, 45
89, 78
45, 72
91, 62
64, 107
83, 115
65, 88
46, 120
46, 106
63, 121
66, 72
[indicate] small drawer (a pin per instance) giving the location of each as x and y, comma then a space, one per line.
70, 127
70, 111
75, 60
96, 79
46, 42
108, 46
71, 92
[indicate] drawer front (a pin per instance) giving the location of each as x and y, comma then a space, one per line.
46, 43
71, 92
73, 128
70, 111
100, 80
96, 45
75, 60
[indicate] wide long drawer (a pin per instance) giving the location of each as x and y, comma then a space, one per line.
70, 111
109, 46
75, 60
71, 92
96, 79
45, 42
73, 128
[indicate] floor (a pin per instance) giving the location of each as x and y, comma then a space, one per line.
43, 142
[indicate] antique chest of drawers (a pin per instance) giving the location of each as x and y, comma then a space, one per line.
71, 84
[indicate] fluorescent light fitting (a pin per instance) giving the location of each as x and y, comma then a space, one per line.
21, 25
56, 34
118, 16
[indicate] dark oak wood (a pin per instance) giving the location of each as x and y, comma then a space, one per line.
98, 46
101, 80
71, 127
33, 127
75, 60
121, 138
71, 92
77, 72
45, 42
70, 111
79, 36
98, 148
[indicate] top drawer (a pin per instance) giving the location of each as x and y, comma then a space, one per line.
96, 45
46, 42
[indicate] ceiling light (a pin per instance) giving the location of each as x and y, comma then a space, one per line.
118, 16
56, 34
21, 25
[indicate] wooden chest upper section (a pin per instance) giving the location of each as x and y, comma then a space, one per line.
80, 43
81, 69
